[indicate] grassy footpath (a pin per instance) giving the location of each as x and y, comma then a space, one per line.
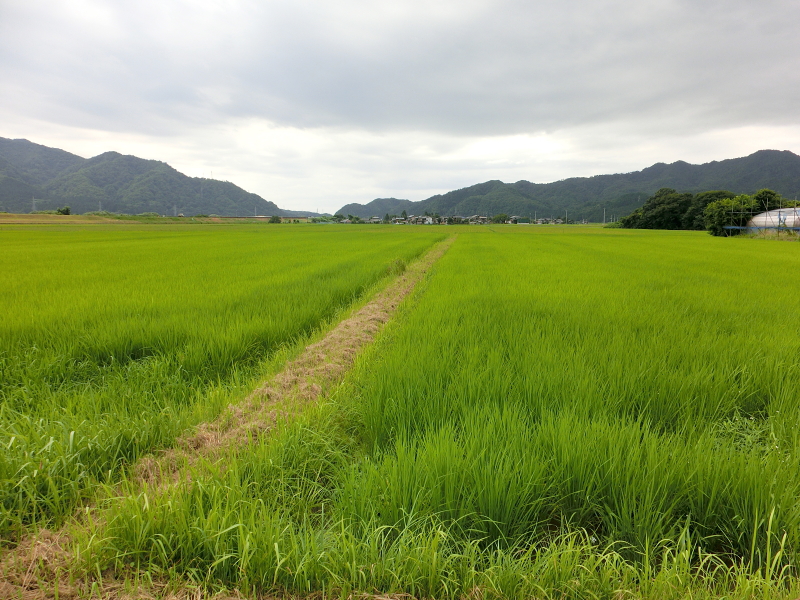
113, 340
561, 412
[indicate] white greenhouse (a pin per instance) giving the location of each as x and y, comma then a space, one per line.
775, 219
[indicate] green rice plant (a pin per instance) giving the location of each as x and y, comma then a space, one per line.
556, 413
223, 530
114, 340
622, 357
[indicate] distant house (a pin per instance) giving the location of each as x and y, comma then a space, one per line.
478, 220
399, 221
375, 220
421, 220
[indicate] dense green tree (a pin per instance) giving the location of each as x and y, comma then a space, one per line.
694, 217
739, 210
500, 218
668, 209
632, 221
274, 219
726, 212
663, 210
764, 200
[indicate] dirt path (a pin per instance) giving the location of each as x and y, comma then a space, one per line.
37, 568
320, 366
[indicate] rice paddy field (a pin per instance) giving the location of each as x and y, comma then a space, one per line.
554, 412
114, 340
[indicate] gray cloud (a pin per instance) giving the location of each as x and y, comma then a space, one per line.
445, 72
483, 68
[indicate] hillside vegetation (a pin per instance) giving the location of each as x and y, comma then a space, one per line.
35, 177
619, 195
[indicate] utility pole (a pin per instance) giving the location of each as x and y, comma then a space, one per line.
34, 203
604, 215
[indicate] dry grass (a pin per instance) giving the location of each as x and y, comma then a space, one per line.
28, 219
320, 366
35, 568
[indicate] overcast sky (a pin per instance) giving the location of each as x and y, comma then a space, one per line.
316, 104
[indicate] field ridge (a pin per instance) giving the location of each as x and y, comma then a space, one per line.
320, 366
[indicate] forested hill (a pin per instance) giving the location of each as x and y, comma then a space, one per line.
585, 197
115, 183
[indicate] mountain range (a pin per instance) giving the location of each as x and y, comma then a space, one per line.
36, 177
587, 197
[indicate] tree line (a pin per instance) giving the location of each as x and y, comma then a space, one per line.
712, 211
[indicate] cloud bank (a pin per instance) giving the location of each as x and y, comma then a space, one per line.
315, 104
